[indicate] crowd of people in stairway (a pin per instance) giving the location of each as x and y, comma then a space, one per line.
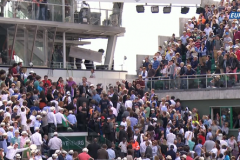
210, 43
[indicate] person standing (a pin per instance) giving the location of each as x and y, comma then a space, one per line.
93, 148
12, 150
37, 138
60, 118
102, 153
84, 155
55, 143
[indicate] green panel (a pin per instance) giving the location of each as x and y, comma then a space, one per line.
231, 118
75, 143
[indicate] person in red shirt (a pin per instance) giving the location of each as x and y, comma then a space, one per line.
237, 52
189, 156
46, 81
84, 155
10, 52
201, 136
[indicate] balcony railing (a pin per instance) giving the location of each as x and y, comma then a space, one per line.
61, 13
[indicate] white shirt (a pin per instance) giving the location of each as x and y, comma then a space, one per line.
11, 91
143, 147
128, 104
59, 117
223, 142
124, 124
69, 99
207, 30
11, 151
4, 97
123, 147
144, 75
170, 138
173, 102
55, 143
21, 101
33, 118
186, 136
214, 150
52, 118
56, 105
114, 111
36, 138
23, 118
7, 114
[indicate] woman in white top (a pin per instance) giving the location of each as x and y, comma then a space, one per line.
4, 96
24, 112
33, 118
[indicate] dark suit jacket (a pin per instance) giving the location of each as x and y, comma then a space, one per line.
102, 154
70, 106
122, 134
93, 150
81, 90
208, 65
171, 153
81, 100
148, 151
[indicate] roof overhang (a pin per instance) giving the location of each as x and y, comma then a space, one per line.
152, 1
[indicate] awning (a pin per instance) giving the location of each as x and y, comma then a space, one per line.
87, 54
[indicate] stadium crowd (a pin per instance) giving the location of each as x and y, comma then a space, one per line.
134, 124
210, 43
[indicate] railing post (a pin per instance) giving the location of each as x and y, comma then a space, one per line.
151, 81
226, 80
206, 81
187, 82
169, 83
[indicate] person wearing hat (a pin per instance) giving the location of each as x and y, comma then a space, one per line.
171, 153
12, 150
54, 143
68, 96
63, 155
70, 155
54, 157
18, 157
38, 155
11, 90
10, 134
84, 155
52, 122
72, 120
27, 153
99, 88
60, 118
36, 138
16, 139
23, 138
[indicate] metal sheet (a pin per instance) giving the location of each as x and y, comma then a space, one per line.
151, 1
88, 54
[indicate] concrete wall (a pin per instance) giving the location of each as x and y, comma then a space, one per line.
205, 94
182, 21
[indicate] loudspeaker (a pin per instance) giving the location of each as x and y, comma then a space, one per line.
166, 9
184, 10
140, 8
155, 9
200, 10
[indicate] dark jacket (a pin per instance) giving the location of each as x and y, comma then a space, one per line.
93, 150
171, 153
81, 100
208, 65
122, 134
102, 154
86, 90
220, 62
148, 151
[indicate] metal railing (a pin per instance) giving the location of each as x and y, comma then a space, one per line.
186, 82
61, 13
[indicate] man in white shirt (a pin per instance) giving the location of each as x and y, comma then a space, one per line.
170, 137
187, 134
189, 25
7, 113
52, 122
36, 138
55, 143
128, 103
110, 107
24, 112
207, 29
68, 96
12, 150
59, 118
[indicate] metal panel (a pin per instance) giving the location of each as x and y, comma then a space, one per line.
88, 54
13, 43
152, 1
34, 40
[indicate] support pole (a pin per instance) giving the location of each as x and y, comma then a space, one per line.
34, 40
112, 40
13, 43
64, 50
63, 10
52, 50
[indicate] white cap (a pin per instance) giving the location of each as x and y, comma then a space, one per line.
91, 85
201, 158
17, 131
70, 152
155, 119
52, 108
71, 112
2, 124
9, 102
119, 158
125, 158
54, 155
10, 127
55, 133
168, 157
1, 110
44, 113
85, 150
38, 116
31, 71
64, 152
24, 132
174, 110
61, 109
4, 101
68, 93
36, 151
36, 128
15, 107
17, 156
28, 141
184, 156
57, 152
4, 134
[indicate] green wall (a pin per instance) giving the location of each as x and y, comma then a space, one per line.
203, 106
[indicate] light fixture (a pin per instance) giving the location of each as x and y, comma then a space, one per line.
166, 10
200, 10
140, 8
155, 9
184, 10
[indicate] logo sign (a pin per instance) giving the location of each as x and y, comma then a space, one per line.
234, 15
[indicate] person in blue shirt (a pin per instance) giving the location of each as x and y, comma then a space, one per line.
96, 96
72, 119
70, 155
156, 63
47, 108
169, 56
132, 95
202, 51
194, 63
37, 122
